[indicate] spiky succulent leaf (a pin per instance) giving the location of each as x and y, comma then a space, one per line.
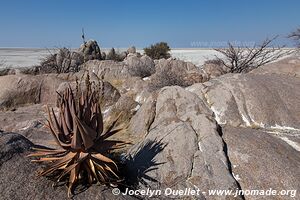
79, 130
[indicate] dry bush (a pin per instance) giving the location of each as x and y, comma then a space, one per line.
295, 35
166, 78
2, 63
63, 61
3, 69
140, 71
242, 59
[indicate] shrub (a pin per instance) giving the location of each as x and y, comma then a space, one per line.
243, 59
2, 63
158, 51
295, 35
86, 151
140, 71
165, 78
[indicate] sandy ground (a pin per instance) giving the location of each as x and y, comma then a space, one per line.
22, 57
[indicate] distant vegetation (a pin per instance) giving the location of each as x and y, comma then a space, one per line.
158, 50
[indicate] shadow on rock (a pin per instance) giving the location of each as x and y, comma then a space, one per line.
138, 165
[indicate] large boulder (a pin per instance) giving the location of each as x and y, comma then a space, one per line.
140, 66
135, 87
19, 178
50, 84
28, 121
131, 49
139, 128
123, 110
176, 65
108, 93
181, 148
19, 90
213, 70
131, 66
253, 100
90, 50
175, 72
126, 107
107, 69
288, 66
261, 161
23, 118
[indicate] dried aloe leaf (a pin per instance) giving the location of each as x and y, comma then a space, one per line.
79, 131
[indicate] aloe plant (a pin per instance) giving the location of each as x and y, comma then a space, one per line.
84, 140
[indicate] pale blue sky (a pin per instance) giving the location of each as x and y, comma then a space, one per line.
120, 23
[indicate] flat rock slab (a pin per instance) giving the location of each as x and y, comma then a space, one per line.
30, 122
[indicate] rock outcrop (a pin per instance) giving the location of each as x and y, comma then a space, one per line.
260, 161
236, 131
20, 90
131, 49
289, 66
130, 67
90, 50
175, 72
140, 66
212, 70
107, 69
253, 100
247, 122
28, 121
186, 146
109, 94
62, 61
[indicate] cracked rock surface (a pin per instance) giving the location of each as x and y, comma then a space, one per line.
192, 155
253, 100
234, 131
262, 161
